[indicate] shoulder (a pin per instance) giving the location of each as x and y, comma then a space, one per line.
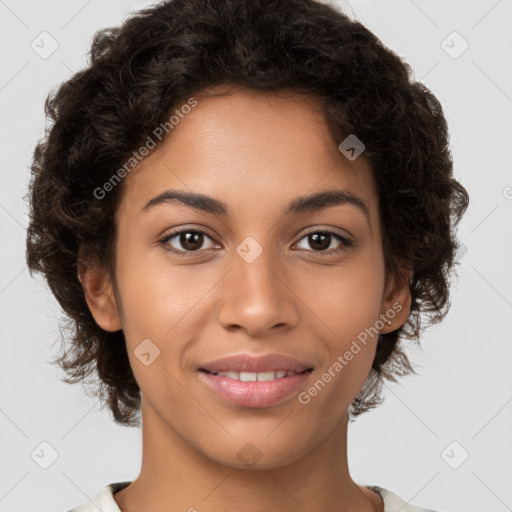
103, 500
393, 503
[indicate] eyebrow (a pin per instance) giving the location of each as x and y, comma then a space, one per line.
302, 204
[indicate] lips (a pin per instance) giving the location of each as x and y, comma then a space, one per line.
256, 364
249, 381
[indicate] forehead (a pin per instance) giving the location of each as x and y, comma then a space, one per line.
250, 149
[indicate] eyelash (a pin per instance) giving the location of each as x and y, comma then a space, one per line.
346, 243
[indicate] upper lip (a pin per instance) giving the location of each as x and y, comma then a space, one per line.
248, 363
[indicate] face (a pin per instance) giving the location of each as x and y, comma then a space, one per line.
258, 278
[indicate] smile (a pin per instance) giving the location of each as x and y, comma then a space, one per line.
255, 389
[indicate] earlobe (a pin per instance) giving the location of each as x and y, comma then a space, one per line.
397, 301
100, 297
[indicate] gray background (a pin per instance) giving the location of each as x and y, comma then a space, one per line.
463, 392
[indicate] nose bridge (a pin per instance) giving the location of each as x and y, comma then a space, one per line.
257, 267
255, 297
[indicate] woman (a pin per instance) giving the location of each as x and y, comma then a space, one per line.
244, 208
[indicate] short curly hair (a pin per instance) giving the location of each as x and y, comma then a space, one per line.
163, 55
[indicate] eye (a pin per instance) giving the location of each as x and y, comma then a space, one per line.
322, 240
190, 240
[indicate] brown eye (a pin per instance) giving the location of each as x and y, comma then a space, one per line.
191, 241
321, 241
185, 241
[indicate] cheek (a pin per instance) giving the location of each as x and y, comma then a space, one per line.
346, 304
343, 300
348, 309
156, 293
165, 303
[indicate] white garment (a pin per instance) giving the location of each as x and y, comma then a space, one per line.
105, 502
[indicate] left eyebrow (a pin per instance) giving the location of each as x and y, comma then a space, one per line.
326, 199
302, 204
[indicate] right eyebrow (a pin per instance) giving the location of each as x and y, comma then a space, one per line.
194, 200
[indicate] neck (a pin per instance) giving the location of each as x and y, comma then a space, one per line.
174, 476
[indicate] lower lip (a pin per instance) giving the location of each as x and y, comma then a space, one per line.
254, 393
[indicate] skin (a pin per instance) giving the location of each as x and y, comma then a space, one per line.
256, 153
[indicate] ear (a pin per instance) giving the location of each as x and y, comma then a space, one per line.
100, 297
396, 305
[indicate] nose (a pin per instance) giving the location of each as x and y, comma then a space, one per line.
257, 296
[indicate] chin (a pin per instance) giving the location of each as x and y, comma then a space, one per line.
257, 455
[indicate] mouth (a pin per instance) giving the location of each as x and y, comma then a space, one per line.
248, 380
255, 389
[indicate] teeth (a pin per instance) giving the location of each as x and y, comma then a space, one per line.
266, 376
253, 376
248, 376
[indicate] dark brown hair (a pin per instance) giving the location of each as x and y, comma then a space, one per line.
166, 54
